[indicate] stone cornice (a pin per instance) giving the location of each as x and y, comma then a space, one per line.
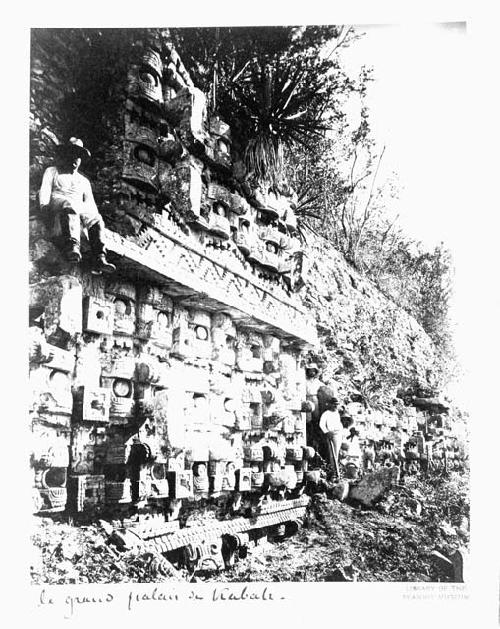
199, 280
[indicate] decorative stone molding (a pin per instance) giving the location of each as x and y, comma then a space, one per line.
202, 281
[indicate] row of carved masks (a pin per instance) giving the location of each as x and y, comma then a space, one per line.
218, 147
197, 335
148, 315
215, 477
220, 211
140, 144
165, 126
229, 216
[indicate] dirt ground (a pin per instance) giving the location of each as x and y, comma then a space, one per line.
339, 541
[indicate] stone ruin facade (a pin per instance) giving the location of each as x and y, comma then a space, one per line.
171, 396
175, 386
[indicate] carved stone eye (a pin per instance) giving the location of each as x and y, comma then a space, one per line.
147, 77
158, 471
55, 477
122, 307
122, 388
201, 332
163, 319
145, 155
58, 380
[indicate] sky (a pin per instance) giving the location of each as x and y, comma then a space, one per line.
418, 111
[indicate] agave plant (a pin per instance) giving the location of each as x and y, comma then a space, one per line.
276, 108
306, 209
272, 85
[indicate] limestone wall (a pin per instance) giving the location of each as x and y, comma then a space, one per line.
181, 378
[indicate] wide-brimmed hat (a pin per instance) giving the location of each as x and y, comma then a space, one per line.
74, 145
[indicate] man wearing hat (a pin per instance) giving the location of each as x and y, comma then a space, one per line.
67, 195
331, 426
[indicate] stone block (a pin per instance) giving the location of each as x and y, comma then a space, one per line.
97, 316
373, 486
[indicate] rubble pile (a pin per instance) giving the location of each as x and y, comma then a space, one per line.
414, 533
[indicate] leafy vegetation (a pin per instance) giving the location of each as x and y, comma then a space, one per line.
272, 85
286, 96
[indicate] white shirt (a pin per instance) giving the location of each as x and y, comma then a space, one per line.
72, 187
330, 421
312, 386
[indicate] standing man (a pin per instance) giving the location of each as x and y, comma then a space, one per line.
67, 195
332, 428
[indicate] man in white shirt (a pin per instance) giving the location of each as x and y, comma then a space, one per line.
67, 194
332, 427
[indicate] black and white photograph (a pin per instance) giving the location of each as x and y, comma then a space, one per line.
247, 366
241, 357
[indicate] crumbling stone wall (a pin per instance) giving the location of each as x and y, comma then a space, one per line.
180, 379
162, 392
369, 346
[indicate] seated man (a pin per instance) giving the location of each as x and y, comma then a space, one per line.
67, 194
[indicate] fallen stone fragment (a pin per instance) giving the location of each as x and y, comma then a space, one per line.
339, 574
68, 549
108, 528
126, 540
459, 561
159, 566
373, 486
444, 564
340, 490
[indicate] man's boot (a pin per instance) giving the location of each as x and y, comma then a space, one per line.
101, 264
70, 230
